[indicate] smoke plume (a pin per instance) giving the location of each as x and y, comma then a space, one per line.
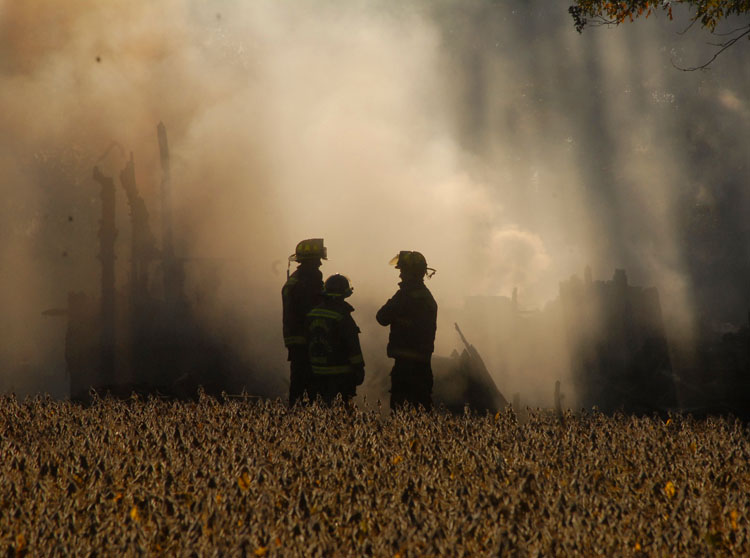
490, 136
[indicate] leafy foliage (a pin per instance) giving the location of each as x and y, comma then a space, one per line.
710, 13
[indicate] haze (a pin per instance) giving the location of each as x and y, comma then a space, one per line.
490, 136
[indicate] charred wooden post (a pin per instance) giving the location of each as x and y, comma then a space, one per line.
174, 278
107, 237
143, 244
166, 214
519, 410
558, 403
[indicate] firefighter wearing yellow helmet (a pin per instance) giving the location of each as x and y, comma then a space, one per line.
333, 343
411, 314
300, 294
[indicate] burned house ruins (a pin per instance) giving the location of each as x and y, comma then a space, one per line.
619, 355
144, 338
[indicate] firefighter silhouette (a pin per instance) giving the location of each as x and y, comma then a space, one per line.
333, 343
302, 291
411, 314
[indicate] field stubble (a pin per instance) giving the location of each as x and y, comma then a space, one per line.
252, 478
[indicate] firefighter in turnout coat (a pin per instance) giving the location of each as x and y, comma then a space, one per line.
333, 343
302, 291
412, 316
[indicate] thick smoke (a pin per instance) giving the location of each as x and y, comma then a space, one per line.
490, 136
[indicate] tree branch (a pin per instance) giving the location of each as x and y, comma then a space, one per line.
723, 46
688, 27
729, 32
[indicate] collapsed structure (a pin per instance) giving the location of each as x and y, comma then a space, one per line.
605, 340
134, 340
619, 356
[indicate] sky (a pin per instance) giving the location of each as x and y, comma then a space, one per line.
489, 135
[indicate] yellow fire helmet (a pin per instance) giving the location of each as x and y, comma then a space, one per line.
309, 249
412, 262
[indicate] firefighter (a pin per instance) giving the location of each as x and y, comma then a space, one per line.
412, 315
333, 343
302, 291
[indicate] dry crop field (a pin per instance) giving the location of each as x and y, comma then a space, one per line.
251, 478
